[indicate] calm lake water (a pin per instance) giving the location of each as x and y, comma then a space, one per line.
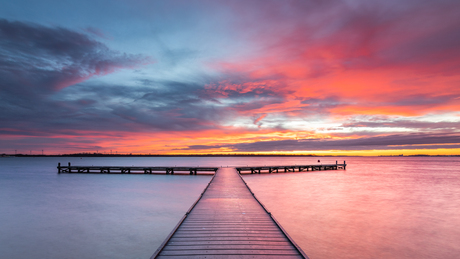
378, 208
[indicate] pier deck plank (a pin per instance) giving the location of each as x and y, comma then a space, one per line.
228, 222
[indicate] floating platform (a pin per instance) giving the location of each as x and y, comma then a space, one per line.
131, 169
228, 221
291, 168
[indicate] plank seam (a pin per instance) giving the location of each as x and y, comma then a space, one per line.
276, 222
157, 252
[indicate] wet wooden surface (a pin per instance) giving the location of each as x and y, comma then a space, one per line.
228, 222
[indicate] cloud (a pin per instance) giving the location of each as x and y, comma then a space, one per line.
37, 63
427, 126
262, 73
261, 117
397, 141
380, 57
44, 59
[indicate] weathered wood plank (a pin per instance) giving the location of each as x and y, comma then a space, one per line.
228, 256
228, 247
234, 235
230, 252
226, 238
230, 228
223, 224
229, 242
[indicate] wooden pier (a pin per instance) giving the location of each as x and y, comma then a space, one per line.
291, 168
193, 170
227, 221
131, 169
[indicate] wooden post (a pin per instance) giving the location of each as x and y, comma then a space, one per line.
59, 168
344, 165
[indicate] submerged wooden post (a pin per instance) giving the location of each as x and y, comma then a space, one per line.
59, 168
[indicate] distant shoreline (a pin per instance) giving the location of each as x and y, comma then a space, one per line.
202, 155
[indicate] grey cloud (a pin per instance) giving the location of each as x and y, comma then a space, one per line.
361, 34
37, 62
396, 141
404, 123
39, 59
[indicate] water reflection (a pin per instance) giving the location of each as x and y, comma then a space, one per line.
46, 215
377, 208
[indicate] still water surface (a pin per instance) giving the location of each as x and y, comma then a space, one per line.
378, 208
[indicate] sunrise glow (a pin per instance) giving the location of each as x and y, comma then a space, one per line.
231, 77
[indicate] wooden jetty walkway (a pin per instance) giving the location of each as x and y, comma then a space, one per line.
227, 221
192, 170
131, 169
290, 168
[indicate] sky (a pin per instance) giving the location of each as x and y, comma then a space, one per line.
329, 77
